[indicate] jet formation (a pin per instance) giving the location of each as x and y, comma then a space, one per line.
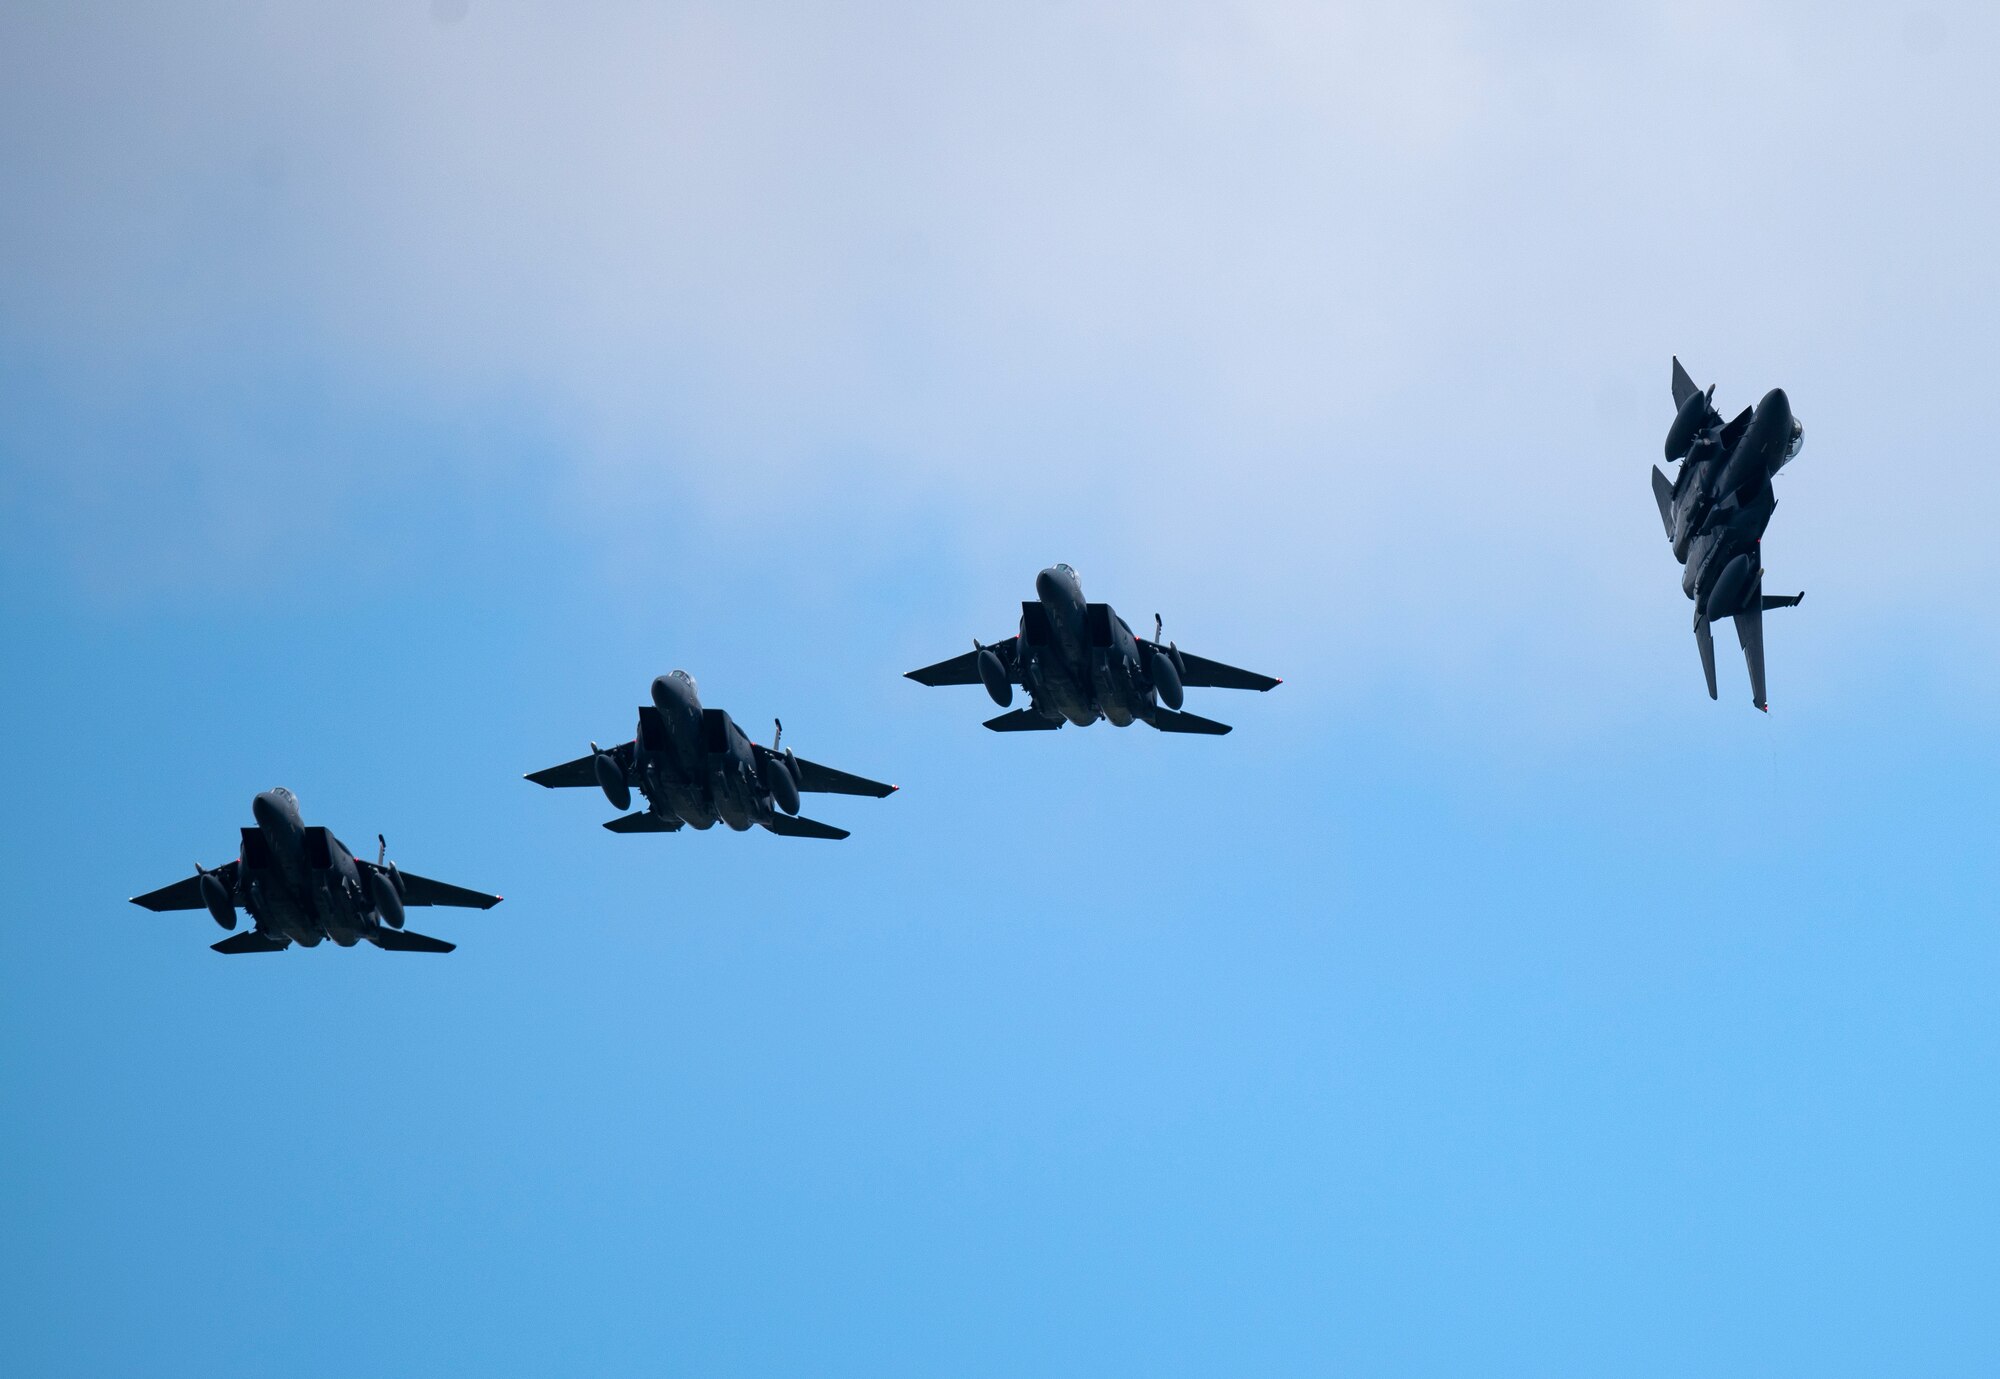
695, 767
1716, 509
1079, 662
303, 885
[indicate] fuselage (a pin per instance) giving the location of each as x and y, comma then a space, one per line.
1715, 480
1079, 660
695, 764
301, 882
1722, 504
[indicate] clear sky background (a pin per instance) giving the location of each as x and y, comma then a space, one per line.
388, 393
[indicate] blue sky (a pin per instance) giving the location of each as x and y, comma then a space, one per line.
387, 397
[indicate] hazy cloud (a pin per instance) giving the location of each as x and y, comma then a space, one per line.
1373, 306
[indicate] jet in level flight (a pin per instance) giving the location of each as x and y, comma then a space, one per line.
1080, 662
695, 766
301, 885
1716, 509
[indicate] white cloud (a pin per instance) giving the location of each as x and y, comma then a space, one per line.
1368, 302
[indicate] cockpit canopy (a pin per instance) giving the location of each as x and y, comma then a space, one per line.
1797, 442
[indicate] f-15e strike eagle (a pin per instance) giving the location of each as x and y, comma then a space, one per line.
301, 885
1080, 662
695, 766
1715, 512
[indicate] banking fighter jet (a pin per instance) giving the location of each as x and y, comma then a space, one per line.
1080, 662
1716, 509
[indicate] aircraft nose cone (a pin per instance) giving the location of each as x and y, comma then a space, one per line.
267, 810
1777, 406
1052, 587
671, 695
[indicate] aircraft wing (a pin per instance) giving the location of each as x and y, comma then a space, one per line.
580, 772
963, 669
186, 895
824, 780
1201, 673
421, 890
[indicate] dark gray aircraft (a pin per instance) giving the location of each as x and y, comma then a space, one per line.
695, 766
1080, 662
301, 885
1715, 512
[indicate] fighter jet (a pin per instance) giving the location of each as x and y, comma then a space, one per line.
1715, 512
695, 766
1080, 662
301, 885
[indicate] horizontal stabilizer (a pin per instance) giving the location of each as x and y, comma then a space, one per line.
1023, 721
251, 941
1750, 636
1771, 601
1663, 494
1705, 641
645, 821
1167, 721
788, 826
404, 941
